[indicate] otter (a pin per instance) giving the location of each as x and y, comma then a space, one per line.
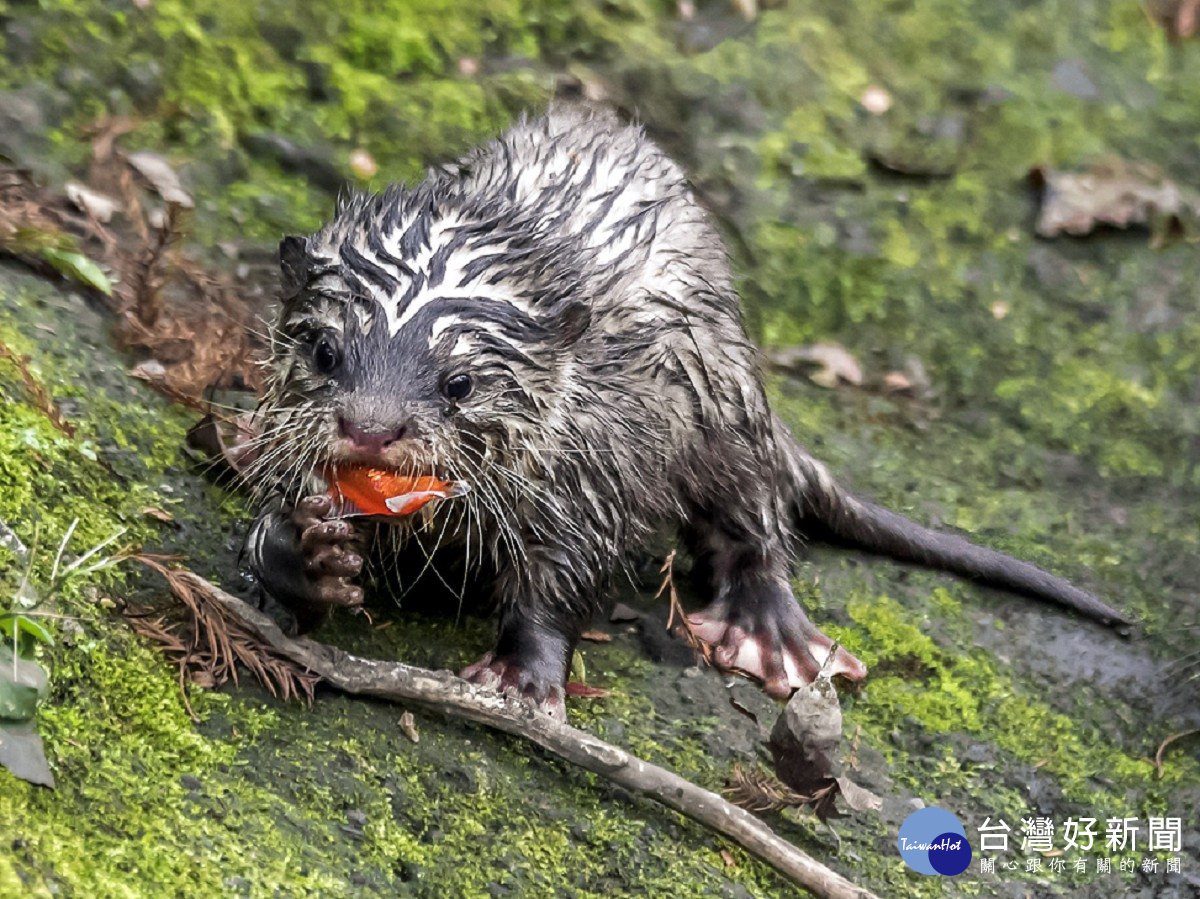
552, 321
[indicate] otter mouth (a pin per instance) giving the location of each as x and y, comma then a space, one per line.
371, 490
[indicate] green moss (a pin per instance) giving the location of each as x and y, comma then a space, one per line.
965, 691
1036, 350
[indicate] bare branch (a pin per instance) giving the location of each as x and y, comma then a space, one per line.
446, 693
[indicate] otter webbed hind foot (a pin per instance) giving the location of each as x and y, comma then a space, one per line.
529, 662
763, 632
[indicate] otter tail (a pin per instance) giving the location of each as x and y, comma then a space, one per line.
827, 511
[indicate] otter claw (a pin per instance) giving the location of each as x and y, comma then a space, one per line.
784, 651
329, 561
513, 680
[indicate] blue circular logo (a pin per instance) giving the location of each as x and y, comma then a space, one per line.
933, 841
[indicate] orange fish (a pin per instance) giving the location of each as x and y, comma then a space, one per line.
376, 491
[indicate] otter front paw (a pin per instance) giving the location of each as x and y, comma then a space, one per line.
330, 558
524, 681
768, 637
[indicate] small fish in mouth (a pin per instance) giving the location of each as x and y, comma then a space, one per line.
362, 490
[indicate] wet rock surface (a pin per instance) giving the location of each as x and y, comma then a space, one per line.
1062, 428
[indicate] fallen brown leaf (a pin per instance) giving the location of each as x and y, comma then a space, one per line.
1113, 192
408, 725
897, 382
826, 364
99, 206
583, 691
596, 637
162, 177
1178, 18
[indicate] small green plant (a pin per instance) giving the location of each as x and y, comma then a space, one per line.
24, 681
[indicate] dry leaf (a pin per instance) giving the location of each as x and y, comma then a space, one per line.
157, 514
826, 364
1177, 17
856, 797
151, 370
727, 858
596, 637
805, 747
409, 726
897, 382
99, 206
1112, 192
747, 9
583, 691
155, 169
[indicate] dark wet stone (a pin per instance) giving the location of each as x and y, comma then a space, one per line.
356, 818
855, 239
143, 82
1071, 77
20, 42
285, 39
661, 646
413, 873
614, 729
622, 612
353, 833
190, 783
20, 112
735, 891
312, 163
979, 753
1051, 268
27, 116
316, 77
463, 779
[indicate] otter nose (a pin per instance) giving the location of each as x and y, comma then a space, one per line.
371, 436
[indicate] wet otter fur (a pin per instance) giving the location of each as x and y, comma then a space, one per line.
552, 320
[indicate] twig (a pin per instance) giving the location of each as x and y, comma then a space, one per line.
701, 647
1158, 756
213, 642
444, 692
39, 396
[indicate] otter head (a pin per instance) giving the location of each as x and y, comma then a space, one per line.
416, 334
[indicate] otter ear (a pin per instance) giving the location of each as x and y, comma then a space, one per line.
293, 264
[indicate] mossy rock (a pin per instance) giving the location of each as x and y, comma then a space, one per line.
1062, 426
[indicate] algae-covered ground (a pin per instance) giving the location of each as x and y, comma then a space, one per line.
1061, 423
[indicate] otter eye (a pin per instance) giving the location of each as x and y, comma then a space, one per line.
325, 355
458, 387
